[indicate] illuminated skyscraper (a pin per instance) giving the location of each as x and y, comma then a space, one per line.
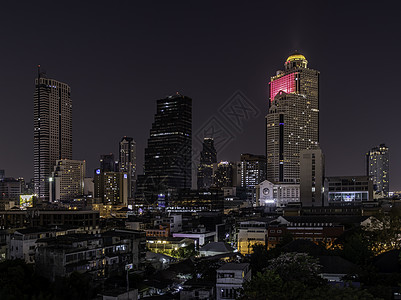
253, 172
52, 129
208, 157
127, 162
168, 165
293, 118
377, 167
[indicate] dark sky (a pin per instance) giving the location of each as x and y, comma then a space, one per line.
121, 56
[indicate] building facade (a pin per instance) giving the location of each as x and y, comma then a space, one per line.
312, 177
377, 167
67, 180
277, 194
293, 118
127, 162
111, 188
230, 279
208, 157
253, 172
168, 156
348, 190
52, 129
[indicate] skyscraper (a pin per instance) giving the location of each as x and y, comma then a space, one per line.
67, 180
293, 118
168, 155
127, 162
377, 167
253, 172
208, 156
111, 188
52, 129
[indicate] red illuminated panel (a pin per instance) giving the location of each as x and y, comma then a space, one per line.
285, 83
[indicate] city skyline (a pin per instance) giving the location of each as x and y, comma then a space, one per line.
351, 119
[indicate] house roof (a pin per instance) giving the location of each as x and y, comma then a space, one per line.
233, 266
336, 265
217, 247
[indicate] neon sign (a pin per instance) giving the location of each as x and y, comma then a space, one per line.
285, 83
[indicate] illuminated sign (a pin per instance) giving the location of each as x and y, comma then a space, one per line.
285, 83
98, 171
125, 176
26, 200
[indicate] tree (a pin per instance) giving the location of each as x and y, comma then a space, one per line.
259, 258
297, 267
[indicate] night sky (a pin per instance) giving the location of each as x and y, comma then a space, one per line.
120, 57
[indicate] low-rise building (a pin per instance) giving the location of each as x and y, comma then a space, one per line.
123, 247
86, 219
199, 235
22, 243
252, 232
230, 279
167, 245
215, 248
348, 190
277, 195
60, 256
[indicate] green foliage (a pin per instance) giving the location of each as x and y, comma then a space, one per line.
259, 258
18, 281
357, 249
184, 252
296, 267
296, 276
270, 286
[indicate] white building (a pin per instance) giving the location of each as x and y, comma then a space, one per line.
22, 244
278, 195
230, 278
199, 235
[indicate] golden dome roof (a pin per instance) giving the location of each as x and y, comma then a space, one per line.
296, 56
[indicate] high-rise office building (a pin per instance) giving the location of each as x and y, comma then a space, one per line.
168, 165
377, 167
253, 172
293, 118
208, 156
52, 129
67, 180
127, 162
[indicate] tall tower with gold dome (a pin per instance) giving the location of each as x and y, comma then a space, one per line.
292, 123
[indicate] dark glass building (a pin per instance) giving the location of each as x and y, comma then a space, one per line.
167, 166
208, 157
107, 163
127, 162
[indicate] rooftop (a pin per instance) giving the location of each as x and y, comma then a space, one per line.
233, 266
